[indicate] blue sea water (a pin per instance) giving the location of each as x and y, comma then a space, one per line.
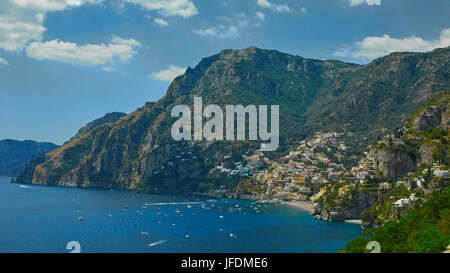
45, 219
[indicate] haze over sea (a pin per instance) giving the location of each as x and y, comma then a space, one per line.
45, 219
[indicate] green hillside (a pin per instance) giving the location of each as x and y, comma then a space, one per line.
426, 229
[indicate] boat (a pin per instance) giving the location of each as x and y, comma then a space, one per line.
144, 233
80, 218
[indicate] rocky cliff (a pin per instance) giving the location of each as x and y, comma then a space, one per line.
348, 207
432, 117
138, 152
108, 118
393, 162
417, 143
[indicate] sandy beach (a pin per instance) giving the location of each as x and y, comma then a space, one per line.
303, 205
354, 221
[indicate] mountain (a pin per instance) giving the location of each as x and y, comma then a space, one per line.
137, 152
15, 155
107, 118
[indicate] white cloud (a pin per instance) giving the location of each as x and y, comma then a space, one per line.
3, 61
109, 69
261, 16
40, 18
274, 7
212, 31
231, 30
225, 19
169, 74
14, 36
118, 50
184, 8
222, 32
21, 26
377, 46
47, 5
161, 22
343, 52
21, 21
368, 2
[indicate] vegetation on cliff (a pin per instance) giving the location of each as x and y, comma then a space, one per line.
108, 118
424, 141
425, 229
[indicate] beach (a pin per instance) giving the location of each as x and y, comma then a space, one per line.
303, 205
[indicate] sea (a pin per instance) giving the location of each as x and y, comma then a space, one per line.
45, 219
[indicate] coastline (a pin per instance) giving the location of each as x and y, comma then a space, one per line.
354, 221
303, 205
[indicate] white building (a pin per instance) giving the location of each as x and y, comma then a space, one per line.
401, 202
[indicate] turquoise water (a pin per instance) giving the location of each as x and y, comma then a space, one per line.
45, 219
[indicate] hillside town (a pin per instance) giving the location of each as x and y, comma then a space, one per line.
303, 176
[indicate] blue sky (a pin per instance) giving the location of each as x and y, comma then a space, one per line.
66, 62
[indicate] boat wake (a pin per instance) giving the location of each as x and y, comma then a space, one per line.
157, 243
174, 203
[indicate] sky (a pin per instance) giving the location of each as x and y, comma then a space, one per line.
64, 63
